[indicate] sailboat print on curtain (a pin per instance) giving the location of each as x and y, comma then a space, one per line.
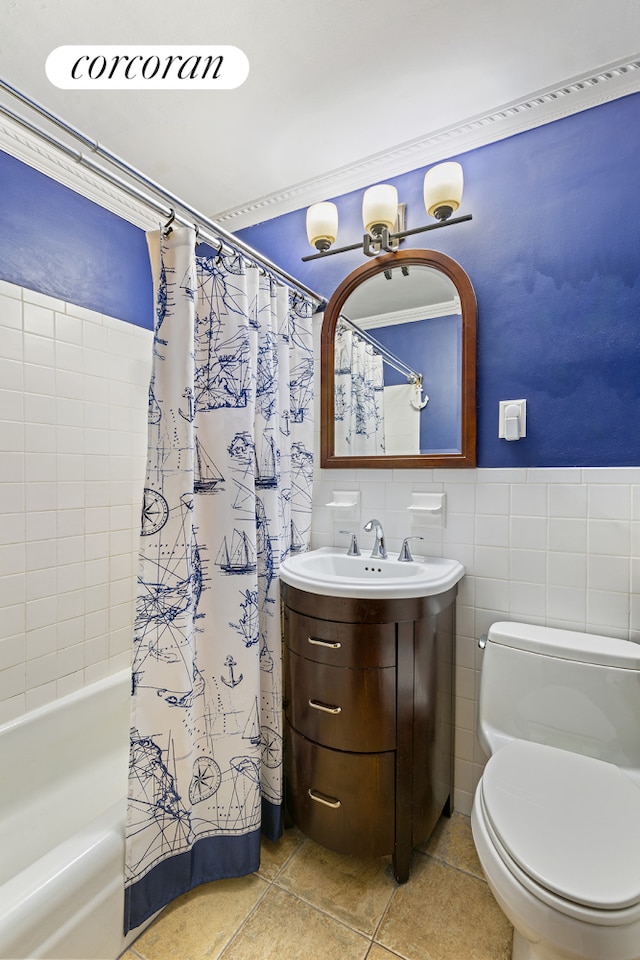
207, 477
228, 482
241, 558
266, 470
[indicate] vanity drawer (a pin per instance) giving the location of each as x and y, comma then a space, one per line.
345, 801
342, 644
342, 708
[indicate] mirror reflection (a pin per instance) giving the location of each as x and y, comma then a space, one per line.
399, 383
398, 365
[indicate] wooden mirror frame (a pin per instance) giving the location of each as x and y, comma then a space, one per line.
426, 258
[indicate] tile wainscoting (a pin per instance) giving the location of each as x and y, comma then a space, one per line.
73, 438
551, 546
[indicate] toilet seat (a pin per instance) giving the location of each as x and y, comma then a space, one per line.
567, 826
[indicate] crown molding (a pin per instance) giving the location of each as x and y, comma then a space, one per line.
31, 149
552, 103
415, 314
580, 93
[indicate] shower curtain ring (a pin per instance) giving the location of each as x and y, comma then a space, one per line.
166, 230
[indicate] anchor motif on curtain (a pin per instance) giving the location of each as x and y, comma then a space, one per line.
231, 680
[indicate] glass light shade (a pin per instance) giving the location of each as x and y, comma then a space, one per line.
322, 224
380, 205
443, 188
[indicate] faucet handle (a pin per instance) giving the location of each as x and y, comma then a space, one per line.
354, 549
405, 553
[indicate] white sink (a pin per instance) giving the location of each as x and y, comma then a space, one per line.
330, 572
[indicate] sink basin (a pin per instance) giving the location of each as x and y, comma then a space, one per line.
329, 571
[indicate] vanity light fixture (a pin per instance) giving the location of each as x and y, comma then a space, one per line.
380, 214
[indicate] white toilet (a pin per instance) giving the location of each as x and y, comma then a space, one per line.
556, 815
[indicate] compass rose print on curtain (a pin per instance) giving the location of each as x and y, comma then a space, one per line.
227, 497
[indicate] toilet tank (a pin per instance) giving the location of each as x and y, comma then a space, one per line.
576, 691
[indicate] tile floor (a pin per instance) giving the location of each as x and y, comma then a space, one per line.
307, 902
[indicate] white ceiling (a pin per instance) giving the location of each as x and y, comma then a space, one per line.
334, 88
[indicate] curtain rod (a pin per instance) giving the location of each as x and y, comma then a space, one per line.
212, 231
386, 354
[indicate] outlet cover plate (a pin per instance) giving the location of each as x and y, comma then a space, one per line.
522, 417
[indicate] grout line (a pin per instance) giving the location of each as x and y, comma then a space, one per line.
325, 913
453, 866
331, 916
392, 953
270, 883
237, 931
384, 913
300, 843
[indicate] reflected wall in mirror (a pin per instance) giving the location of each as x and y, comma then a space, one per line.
398, 365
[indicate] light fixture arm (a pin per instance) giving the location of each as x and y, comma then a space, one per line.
380, 239
373, 246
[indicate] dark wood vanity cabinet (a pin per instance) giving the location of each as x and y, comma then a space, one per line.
369, 710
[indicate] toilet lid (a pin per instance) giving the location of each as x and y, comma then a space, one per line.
570, 822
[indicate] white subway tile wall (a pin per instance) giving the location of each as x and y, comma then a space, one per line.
556, 546
73, 439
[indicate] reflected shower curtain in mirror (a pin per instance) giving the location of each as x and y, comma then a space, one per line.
227, 497
358, 387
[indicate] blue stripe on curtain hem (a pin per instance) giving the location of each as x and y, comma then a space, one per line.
212, 858
272, 820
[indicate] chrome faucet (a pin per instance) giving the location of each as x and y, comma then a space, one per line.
379, 549
354, 550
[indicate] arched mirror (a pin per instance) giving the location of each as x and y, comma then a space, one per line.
398, 365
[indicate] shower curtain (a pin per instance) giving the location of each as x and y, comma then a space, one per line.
358, 388
227, 497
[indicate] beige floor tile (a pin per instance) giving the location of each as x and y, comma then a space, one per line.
445, 914
284, 928
200, 923
379, 953
353, 890
452, 842
273, 856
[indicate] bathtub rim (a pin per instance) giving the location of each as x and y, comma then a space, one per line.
76, 696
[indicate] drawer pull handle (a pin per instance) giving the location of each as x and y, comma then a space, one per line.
325, 707
321, 798
334, 645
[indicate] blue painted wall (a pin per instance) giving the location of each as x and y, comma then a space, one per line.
56, 242
434, 349
553, 252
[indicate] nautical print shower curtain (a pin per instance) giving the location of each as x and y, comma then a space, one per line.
359, 404
227, 497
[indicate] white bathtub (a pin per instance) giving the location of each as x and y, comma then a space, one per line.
63, 780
